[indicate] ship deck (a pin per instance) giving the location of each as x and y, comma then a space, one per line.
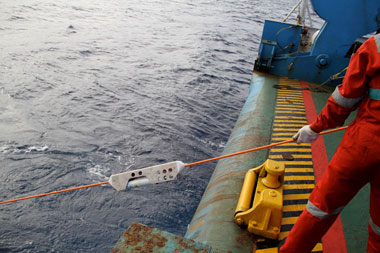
297, 104
275, 109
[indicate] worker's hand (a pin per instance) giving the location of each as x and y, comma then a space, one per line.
305, 135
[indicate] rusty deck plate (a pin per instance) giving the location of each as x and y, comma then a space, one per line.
142, 238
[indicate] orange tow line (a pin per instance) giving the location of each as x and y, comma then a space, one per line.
186, 165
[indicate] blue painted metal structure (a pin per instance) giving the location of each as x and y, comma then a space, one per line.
330, 49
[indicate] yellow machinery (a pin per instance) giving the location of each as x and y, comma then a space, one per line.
263, 211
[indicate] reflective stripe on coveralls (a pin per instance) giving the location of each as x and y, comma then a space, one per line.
316, 212
374, 93
345, 102
374, 227
377, 39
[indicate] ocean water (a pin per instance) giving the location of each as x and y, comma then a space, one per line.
92, 88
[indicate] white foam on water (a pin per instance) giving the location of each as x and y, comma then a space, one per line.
99, 171
4, 149
213, 144
36, 149
17, 150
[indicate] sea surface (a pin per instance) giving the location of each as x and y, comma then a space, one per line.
92, 88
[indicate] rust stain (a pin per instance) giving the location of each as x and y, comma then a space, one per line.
289, 101
138, 239
198, 218
242, 123
131, 242
181, 241
136, 228
159, 240
245, 238
196, 226
288, 157
216, 199
148, 245
138, 234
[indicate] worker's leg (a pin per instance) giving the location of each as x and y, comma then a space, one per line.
341, 181
374, 223
306, 233
323, 207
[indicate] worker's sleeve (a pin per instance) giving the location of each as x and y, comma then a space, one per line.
347, 96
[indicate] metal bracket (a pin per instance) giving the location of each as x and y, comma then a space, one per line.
150, 175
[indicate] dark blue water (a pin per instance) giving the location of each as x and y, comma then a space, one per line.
91, 88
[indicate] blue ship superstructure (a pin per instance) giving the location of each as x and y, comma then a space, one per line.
318, 56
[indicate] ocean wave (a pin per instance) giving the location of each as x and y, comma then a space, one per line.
101, 87
24, 149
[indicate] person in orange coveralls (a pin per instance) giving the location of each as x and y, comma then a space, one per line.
357, 159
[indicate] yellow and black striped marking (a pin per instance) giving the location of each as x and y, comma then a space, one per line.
289, 117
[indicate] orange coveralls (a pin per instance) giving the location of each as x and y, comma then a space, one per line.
357, 159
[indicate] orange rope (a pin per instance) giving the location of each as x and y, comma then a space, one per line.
56, 192
258, 148
239, 153
186, 165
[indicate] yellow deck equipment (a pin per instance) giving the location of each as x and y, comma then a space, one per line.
263, 212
